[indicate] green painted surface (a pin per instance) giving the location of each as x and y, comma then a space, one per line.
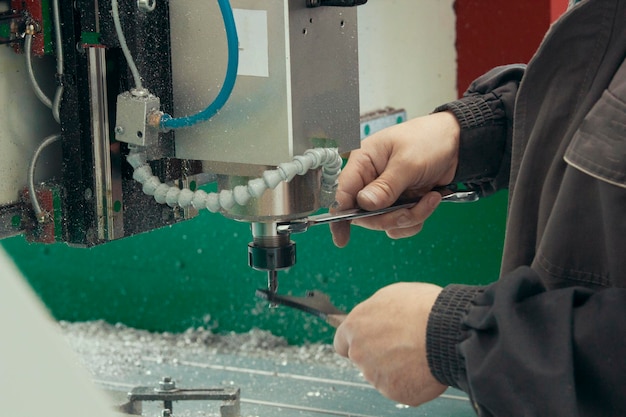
5, 31
196, 273
90, 38
47, 27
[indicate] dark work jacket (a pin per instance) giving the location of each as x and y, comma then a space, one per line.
549, 337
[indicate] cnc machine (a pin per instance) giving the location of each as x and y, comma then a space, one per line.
137, 114
124, 116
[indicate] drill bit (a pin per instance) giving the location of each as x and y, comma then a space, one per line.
272, 284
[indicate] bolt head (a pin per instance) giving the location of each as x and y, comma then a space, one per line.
167, 384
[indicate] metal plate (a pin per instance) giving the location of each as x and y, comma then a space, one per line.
275, 379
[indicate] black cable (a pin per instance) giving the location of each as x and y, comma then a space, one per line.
6, 16
11, 41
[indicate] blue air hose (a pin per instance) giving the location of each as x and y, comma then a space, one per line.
168, 122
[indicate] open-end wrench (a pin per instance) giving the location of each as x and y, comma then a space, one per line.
302, 225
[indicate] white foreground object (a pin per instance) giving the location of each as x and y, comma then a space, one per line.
39, 374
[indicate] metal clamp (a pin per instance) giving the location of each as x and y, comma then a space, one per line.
167, 392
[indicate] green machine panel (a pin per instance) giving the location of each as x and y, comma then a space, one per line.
195, 274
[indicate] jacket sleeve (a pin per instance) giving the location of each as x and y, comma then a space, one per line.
518, 349
485, 113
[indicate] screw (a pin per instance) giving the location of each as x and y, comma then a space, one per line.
167, 384
119, 130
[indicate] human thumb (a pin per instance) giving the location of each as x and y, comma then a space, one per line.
380, 193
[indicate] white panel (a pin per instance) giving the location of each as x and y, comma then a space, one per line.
407, 55
39, 375
24, 121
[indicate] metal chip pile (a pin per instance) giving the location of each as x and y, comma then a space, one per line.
115, 350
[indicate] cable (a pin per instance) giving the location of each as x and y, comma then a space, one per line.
52, 104
122, 39
41, 216
56, 104
4, 41
167, 122
10, 16
31, 75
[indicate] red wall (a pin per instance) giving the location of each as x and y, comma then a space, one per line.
557, 8
497, 32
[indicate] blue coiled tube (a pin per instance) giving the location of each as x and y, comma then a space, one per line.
168, 122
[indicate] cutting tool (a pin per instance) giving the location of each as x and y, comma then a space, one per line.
314, 302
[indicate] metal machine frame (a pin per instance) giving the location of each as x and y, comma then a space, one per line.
310, 85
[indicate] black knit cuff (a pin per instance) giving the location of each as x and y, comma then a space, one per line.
470, 111
481, 147
444, 332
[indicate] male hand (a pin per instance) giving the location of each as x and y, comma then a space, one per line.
385, 336
409, 158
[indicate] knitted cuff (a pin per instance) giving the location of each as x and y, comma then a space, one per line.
480, 148
470, 111
444, 332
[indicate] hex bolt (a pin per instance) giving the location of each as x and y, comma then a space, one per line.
167, 384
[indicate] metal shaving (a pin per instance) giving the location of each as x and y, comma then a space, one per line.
112, 350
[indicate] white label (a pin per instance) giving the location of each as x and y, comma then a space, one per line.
253, 44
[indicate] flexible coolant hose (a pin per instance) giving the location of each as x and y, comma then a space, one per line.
327, 158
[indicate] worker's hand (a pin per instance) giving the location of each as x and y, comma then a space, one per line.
409, 158
385, 336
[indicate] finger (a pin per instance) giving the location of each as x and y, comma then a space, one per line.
389, 185
393, 220
358, 172
403, 218
405, 232
340, 342
345, 198
341, 233
424, 208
